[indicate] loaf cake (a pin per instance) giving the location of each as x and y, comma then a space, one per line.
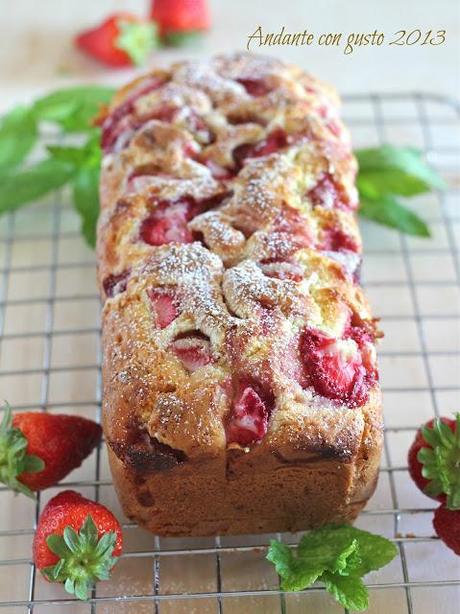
240, 381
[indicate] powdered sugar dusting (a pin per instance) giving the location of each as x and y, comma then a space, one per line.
254, 275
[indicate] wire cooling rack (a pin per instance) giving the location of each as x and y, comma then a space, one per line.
50, 359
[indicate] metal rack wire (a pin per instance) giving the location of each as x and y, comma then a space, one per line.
48, 301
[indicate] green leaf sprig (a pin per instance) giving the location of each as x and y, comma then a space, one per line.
336, 555
385, 173
388, 172
71, 111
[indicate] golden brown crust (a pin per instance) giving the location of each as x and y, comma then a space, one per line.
227, 236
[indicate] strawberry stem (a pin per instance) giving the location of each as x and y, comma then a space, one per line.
441, 461
14, 459
137, 39
83, 558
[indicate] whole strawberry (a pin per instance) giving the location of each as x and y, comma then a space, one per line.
434, 460
180, 16
446, 523
37, 450
77, 542
120, 40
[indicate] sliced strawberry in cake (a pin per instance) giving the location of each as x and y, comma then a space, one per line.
114, 284
276, 140
255, 87
249, 419
336, 239
168, 223
342, 369
164, 306
290, 222
119, 119
329, 194
194, 351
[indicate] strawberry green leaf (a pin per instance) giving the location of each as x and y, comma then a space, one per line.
82, 560
18, 134
57, 545
395, 170
441, 461
138, 39
388, 211
14, 459
183, 39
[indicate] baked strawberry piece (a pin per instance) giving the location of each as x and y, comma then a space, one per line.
434, 460
115, 283
329, 194
336, 240
342, 369
248, 422
76, 543
164, 306
193, 350
446, 523
167, 224
121, 118
255, 87
276, 140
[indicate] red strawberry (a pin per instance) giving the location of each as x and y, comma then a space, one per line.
164, 306
340, 369
446, 523
77, 542
167, 224
121, 40
180, 16
193, 351
434, 460
249, 420
37, 450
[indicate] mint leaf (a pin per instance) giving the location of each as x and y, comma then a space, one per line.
317, 551
388, 211
24, 186
86, 200
296, 573
395, 170
73, 108
374, 551
338, 555
18, 134
349, 591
